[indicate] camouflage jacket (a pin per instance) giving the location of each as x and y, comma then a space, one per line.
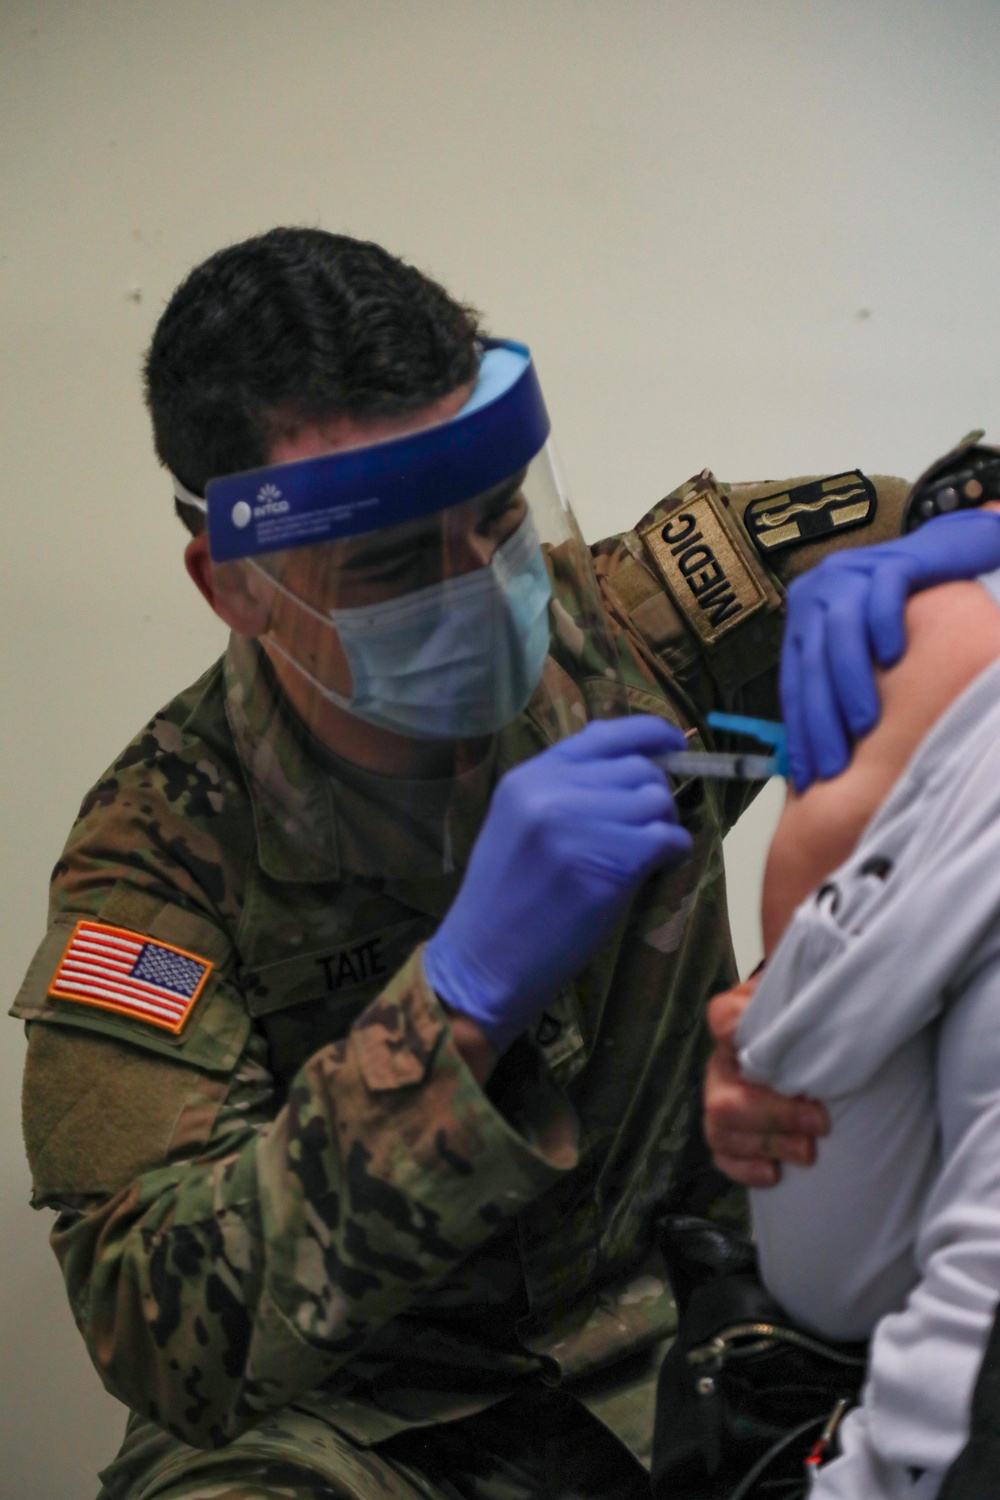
300, 1194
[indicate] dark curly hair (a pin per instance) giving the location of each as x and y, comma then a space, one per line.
288, 328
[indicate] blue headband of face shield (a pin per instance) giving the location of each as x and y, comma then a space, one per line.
499, 430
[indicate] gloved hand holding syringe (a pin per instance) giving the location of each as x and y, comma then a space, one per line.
569, 837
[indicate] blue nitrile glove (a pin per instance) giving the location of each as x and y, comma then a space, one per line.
568, 839
846, 615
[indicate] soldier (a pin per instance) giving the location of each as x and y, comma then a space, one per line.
365, 1045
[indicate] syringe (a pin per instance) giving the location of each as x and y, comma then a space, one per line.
719, 764
732, 765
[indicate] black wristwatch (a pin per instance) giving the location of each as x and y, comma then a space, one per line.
966, 477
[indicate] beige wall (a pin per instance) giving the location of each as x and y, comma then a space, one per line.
756, 234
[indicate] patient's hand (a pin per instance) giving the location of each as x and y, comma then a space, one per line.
749, 1128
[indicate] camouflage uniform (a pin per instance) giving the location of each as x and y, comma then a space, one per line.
297, 1233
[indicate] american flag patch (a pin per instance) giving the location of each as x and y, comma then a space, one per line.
132, 975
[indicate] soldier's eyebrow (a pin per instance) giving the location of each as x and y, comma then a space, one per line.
494, 501
382, 551
378, 552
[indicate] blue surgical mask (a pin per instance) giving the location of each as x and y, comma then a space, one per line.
455, 660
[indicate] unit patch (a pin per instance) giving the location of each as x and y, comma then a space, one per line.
791, 518
709, 577
135, 976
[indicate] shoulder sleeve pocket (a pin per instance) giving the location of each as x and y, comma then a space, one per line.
142, 971
730, 602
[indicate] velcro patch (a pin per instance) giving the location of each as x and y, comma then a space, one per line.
132, 975
710, 578
809, 512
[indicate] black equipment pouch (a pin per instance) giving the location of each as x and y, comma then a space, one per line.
746, 1400
965, 478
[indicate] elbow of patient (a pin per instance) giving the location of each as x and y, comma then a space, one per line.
836, 1300
829, 1318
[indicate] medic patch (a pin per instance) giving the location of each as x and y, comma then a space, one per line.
134, 976
809, 512
710, 578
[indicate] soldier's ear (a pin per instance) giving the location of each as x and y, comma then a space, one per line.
229, 588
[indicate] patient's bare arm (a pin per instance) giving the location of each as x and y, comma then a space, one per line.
953, 633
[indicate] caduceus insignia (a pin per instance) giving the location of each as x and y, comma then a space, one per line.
811, 511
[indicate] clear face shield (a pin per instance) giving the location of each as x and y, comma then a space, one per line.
432, 586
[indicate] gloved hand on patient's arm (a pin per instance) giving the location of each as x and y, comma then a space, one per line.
751, 1129
569, 837
845, 617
